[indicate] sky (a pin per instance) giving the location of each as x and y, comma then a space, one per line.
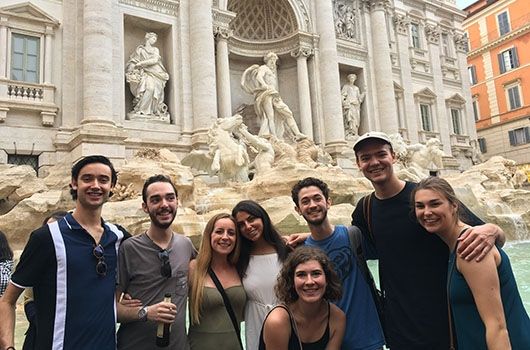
464, 3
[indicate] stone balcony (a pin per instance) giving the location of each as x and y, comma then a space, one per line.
18, 95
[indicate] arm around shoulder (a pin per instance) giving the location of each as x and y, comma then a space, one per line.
337, 325
277, 329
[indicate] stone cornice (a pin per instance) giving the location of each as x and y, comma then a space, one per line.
167, 7
283, 46
222, 17
510, 36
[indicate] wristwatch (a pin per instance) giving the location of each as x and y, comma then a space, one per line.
142, 314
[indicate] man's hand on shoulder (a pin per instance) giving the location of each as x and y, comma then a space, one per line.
296, 239
477, 241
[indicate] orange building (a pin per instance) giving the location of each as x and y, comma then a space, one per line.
499, 71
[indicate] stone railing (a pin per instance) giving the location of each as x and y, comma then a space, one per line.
17, 95
19, 91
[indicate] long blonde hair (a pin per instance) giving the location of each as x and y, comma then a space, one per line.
204, 260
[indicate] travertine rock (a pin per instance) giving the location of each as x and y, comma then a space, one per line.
16, 184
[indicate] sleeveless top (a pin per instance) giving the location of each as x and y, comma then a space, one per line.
294, 340
215, 330
470, 329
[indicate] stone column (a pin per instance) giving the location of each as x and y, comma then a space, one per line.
48, 61
304, 98
202, 49
3, 47
329, 77
97, 61
410, 112
224, 98
383, 66
432, 34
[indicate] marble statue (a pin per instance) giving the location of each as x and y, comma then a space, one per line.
344, 16
276, 117
414, 162
227, 156
147, 79
264, 159
352, 97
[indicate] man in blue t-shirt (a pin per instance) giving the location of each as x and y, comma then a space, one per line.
363, 330
71, 265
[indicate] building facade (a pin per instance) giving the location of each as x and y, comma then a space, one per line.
64, 92
499, 72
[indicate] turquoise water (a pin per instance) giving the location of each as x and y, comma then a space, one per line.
519, 253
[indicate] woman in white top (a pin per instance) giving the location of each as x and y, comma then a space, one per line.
262, 253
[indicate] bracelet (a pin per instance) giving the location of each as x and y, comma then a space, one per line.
11, 348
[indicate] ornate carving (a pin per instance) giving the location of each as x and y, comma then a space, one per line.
168, 7
432, 33
222, 33
302, 52
373, 5
401, 24
460, 42
345, 17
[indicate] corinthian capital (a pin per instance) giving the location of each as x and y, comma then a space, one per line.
373, 5
432, 33
401, 23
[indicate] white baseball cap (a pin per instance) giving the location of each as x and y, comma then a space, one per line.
376, 135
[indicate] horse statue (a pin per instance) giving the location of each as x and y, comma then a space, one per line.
227, 155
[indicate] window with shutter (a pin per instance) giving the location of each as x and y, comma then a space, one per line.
519, 136
482, 145
504, 24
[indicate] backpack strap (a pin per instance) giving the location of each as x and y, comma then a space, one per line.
367, 214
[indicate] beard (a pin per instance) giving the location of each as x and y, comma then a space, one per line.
316, 222
162, 225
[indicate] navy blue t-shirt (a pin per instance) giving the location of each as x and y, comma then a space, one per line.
75, 305
363, 330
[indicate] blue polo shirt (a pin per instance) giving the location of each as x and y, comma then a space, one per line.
363, 330
75, 306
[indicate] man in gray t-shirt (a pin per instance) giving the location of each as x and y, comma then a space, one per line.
150, 265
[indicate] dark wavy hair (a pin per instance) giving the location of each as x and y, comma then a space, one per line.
307, 182
284, 287
76, 169
270, 234
153, 179
5, 250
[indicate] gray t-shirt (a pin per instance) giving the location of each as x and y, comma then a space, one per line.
139, 275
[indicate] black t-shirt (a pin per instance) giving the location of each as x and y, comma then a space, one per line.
412, 270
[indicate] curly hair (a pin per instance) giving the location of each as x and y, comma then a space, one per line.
284, 288
307, 182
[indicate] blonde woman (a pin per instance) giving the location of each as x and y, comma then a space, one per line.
211, 326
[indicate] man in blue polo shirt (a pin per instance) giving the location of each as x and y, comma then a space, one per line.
71, 265
363, 329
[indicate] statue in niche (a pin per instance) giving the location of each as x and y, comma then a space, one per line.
276, 117
352, 97
344, 20
227, 155
147, 79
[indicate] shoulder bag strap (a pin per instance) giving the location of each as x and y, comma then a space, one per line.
228, 305
367, 211
293, 324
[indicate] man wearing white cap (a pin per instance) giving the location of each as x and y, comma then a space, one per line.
412, 262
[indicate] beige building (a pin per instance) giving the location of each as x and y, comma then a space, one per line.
64, 91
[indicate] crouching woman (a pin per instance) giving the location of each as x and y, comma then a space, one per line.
306, 319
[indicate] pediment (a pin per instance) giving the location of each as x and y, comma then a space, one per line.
28, 11
398, 87
426, 92
456, 99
